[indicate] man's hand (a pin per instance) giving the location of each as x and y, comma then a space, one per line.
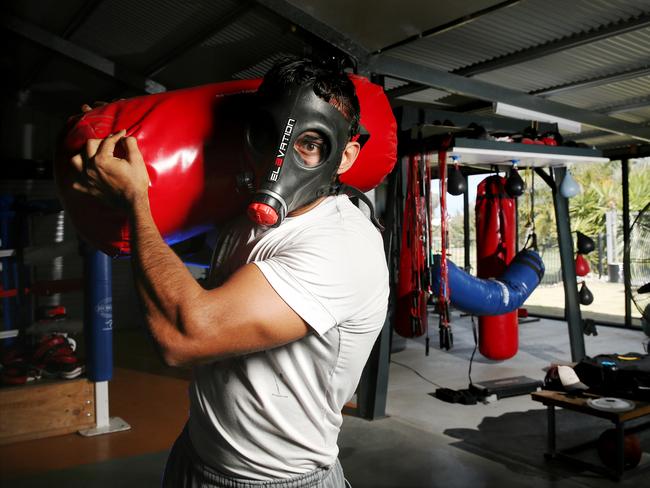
85, 108
117, 181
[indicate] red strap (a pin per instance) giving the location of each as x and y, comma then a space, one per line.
443, 292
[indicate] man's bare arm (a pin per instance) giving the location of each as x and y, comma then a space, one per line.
192, 324
189, 323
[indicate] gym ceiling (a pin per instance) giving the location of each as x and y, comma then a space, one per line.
583, 60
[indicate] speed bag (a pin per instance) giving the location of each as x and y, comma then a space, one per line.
495, 248
192, 142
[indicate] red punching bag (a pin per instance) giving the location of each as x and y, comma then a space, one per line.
495, 248
411, 309
191, 141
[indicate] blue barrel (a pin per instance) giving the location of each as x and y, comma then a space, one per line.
98, 315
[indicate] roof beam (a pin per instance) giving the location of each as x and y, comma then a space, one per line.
642, 151
453, 24
80, 16
80, 54
293, 14
425, 75
552, 47
596, 81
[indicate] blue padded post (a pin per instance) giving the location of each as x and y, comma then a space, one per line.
98, 315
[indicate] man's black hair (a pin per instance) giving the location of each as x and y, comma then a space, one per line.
330, 84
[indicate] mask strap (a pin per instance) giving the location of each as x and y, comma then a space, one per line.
355, 192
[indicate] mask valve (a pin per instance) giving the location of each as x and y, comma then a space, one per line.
262, 214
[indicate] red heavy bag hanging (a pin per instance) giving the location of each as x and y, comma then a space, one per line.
495, 248
191, 141
411, 310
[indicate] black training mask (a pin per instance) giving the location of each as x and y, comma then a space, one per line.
290, 181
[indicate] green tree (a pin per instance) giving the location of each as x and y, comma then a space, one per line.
639, 183
602, 190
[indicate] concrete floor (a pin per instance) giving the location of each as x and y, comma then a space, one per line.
423, 442
426, 442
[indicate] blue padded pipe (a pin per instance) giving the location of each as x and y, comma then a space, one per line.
98, 315
493, 296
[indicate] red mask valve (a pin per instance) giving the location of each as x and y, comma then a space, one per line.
262, 214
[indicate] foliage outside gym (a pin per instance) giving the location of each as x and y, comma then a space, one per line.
601, 192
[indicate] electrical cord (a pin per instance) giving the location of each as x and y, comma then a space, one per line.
416, 372
468, 396
471, 359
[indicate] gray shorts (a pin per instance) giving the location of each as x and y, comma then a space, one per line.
185, 470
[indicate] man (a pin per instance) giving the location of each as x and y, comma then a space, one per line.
300, 292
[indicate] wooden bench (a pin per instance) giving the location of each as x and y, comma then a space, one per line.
554, 399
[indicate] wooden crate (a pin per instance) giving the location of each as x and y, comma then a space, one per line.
46, 409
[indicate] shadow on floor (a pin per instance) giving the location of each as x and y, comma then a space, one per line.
131, 472
518, 440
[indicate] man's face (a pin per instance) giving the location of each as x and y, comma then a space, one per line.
297, 141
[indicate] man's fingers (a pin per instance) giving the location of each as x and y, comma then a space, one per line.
89, 190
81, 188
87, 108
107, 146
78, 162
132, 149
92, 146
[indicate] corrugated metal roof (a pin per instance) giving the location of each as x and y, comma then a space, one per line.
531, 25
142, 31
258, 69
252, 26
506, 31
391, 83
245, 48
257, 32
639, 116
600, 58
51, 15
600, 97
430, 95
200, 41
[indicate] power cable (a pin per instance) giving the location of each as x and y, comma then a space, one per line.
416, 372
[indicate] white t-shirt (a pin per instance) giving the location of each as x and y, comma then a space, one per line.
277, 413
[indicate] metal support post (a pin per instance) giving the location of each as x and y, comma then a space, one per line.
373, 387
104, 423
627, 277
620, 450
550, 430
571, 302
